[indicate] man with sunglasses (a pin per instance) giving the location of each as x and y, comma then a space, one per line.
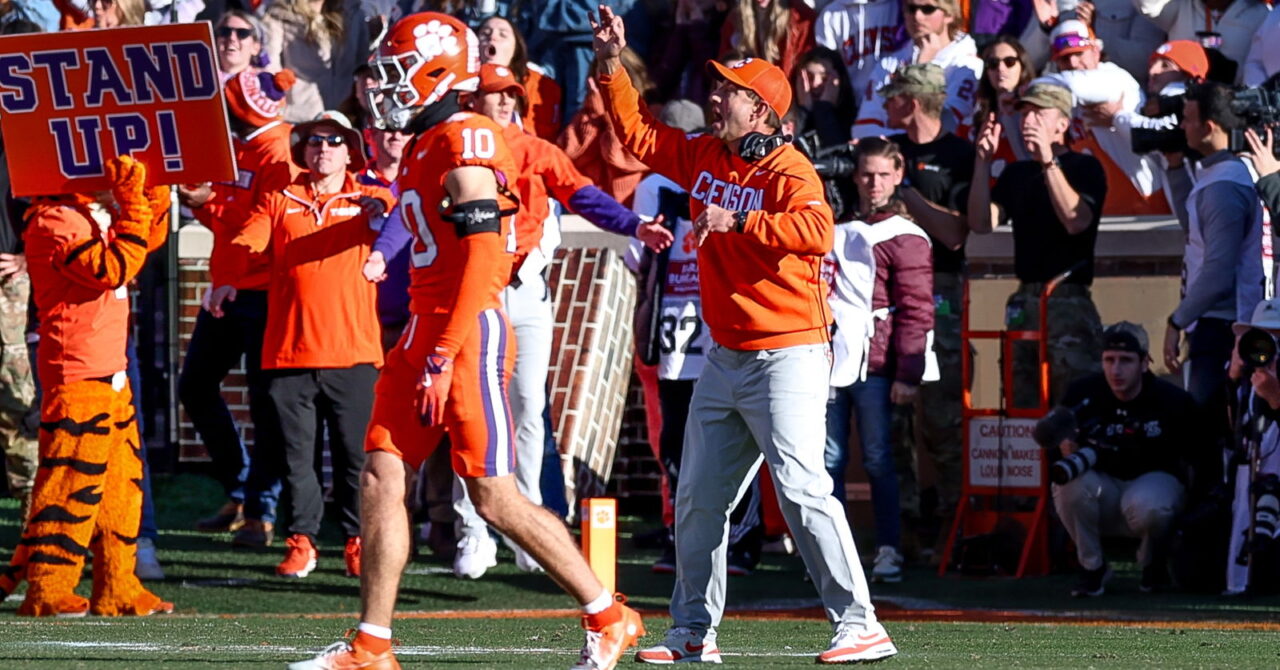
763, 228
936, 31
322, 347
227, 329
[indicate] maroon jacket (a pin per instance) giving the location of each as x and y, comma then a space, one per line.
904, 284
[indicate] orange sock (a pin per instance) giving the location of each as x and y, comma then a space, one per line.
371, 643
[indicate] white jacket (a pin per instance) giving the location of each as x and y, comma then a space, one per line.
861, 32
1110, 83
852, 263
959, 62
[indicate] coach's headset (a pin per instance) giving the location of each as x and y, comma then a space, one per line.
753, 147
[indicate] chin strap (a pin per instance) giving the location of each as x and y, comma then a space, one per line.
434, 113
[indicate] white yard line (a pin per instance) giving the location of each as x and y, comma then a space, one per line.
292, 651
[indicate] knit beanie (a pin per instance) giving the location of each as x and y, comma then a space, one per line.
256, 97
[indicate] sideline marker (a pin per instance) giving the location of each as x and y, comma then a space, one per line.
600, 539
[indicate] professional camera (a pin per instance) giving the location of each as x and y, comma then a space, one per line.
1056, 426
1259, 106
1266, 511
1257, 348
1165, 140
835, 165
837, 162
1068, 468
1059, 425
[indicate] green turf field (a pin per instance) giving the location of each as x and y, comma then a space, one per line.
259, 642
234, 613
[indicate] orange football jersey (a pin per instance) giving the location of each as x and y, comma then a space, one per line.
458, 276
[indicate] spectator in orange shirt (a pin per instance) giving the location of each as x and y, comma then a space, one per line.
322, 346
502, 44
591, 141
226, 330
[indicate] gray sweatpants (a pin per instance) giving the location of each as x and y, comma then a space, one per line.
1095, 504
750, 406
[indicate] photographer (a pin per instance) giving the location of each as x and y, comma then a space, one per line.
1122, 472
1253, 459
1223, 270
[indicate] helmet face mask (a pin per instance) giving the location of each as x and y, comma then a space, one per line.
423, 57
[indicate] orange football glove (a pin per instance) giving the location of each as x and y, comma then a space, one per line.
433, 390
128, 177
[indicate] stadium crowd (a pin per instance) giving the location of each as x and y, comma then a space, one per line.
909, 124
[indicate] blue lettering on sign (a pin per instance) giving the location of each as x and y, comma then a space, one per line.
14, 69
129, 131
56, 63
169, 146
70, 143
195, 70
104, 78
152, 74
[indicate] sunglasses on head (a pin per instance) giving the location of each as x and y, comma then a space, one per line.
225, 32
1008, 61
331, 140
927, 10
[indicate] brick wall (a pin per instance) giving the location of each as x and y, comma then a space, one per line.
596, 403
594, 296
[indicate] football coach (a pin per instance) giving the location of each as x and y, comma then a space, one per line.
764, 227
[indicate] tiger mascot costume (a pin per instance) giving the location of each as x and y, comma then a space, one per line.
82, 251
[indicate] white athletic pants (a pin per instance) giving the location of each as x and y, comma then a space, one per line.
1095, 505
529, 310
750, 406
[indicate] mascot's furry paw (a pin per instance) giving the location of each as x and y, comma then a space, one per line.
128, 177
67, 606
158, 201
145, 603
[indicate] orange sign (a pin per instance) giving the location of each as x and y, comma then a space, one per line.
71, 100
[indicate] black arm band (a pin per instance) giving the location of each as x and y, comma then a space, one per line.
476, 216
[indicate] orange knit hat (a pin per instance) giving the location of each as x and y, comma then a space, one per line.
256, 97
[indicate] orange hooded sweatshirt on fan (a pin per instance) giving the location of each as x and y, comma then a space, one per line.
761, 288
264, 167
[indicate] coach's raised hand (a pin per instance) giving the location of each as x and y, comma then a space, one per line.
610, 38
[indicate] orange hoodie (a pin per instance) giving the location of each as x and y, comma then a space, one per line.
761, 288
264, 167
542, 101
321, 313
543, 169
